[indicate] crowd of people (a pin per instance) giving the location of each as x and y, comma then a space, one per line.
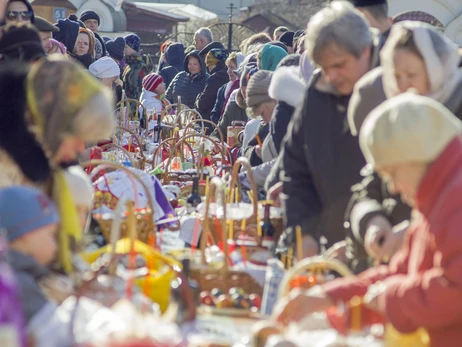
352, 125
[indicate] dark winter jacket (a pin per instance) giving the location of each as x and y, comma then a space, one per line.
28, 272
187, 86
206, 100
133, 75
321, 162
233, 113
215, 115
175, 62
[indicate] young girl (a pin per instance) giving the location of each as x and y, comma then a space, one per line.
153, 95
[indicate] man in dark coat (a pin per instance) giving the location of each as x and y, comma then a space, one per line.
321, 159
376, 13
175, 62
215, 62
189, 83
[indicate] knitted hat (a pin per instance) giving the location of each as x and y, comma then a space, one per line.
20, 42
366, 3
133, 41
287, 38
24, 210
151, 82
257, 88
106, 38
43, 25
245, 75
407, 128
209, 47
116, 48
86, 15
215, 56
80, 185
105, 67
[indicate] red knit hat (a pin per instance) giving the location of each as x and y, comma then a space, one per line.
151, 82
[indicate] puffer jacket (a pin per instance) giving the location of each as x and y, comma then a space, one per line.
175, 62
206, 100
187, 86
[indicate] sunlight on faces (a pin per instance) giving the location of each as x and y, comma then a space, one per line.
39, 244
194, 66
70, 148
230, 71
160, 88
45, 37
91, 24
17, 6
129, 51
410, 72
342, 69
82, 45
265, 110
403, 179
199, 42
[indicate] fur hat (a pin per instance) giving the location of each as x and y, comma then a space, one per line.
407, 129
86, 15
287, 86
151, 82
257, 88
24, 210
133, 41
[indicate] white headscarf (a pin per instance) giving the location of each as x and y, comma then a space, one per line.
440, 55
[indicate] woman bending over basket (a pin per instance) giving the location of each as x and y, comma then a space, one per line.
414, 143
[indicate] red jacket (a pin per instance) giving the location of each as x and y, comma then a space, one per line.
424, 279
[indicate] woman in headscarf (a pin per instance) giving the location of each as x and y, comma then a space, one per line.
65, 109
416, 56
270, 56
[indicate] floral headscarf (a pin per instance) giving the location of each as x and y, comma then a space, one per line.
58, 91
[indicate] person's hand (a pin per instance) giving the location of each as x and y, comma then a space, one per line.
258, 151
118, 82
299, 304
338, 251
371, 299
274, 193
393, 242
377, 232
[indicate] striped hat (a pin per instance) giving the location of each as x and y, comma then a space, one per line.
151, 82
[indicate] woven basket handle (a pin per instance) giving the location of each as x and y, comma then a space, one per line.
126, 103
172, 151
187, 113
236, 168
127, 153
137, 138
101, 165
215, 187
312, 264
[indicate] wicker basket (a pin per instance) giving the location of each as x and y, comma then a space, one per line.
140, 160
223, 277
144, 218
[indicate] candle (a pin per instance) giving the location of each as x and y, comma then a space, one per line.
298, 231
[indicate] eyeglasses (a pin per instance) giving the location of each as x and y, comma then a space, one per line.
25, 15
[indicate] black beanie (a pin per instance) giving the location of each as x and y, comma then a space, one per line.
20, 42
287, 38
25, 2
89, 14
67, 34
116, 48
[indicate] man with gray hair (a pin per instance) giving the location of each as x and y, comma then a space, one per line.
321, 160
202, 38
